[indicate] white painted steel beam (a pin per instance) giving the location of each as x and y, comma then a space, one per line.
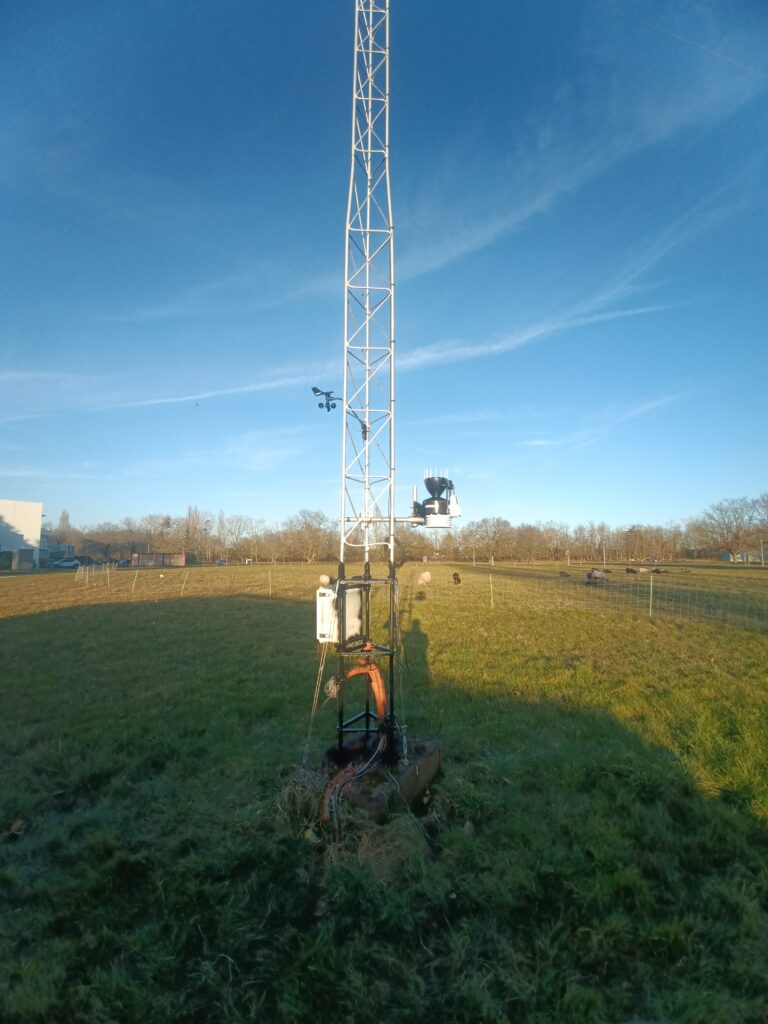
368, 460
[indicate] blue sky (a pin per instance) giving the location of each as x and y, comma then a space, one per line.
580, 197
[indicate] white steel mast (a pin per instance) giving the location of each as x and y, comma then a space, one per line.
368, 430
364, 627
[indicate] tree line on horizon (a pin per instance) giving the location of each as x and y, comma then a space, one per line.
738, 526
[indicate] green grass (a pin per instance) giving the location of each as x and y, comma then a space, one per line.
595, 849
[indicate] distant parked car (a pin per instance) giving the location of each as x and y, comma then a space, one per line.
66, 563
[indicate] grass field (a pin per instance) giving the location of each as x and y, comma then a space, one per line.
595, 848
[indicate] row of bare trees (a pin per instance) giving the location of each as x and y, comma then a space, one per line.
204, 537
736, 525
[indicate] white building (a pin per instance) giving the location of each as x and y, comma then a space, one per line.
20, 528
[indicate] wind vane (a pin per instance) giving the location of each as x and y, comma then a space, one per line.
329, 399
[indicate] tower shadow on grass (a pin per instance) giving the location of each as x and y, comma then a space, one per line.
577, 846
415, 650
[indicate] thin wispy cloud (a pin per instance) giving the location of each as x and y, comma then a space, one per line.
277, 379
273, 384
253, 452
58, 394
202, 298
257, 451
612, 417
704, 216
455, 418
588, 430
49, 394
34, 473
562, 152
709, 213
38, 379
759, 67
251, 289
461, 351
31, 394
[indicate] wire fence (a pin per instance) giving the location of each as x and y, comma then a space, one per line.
733, 600
648, 595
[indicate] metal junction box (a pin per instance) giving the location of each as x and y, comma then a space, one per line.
328, 606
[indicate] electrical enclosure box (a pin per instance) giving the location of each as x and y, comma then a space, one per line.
328, 603
327, 620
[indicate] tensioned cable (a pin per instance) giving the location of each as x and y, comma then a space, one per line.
319, 681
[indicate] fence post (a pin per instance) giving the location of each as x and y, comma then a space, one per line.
650, 601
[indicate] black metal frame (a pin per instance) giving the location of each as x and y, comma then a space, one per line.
354, 647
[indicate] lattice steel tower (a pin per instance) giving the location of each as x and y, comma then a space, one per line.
362, 625
367, 522
368, 461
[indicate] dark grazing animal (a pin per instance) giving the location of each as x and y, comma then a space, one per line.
563, 573
596, 578
633, 571
456, 578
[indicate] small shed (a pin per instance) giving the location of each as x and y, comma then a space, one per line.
158, 560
